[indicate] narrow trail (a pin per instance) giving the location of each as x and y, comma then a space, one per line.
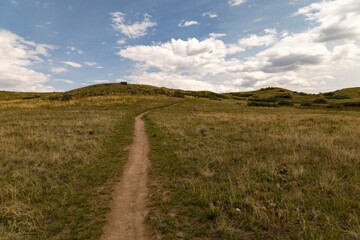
126, 219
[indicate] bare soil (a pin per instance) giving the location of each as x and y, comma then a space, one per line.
126, 220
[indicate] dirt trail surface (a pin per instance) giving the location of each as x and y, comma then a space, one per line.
126, 219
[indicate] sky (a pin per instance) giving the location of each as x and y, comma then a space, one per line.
217, 45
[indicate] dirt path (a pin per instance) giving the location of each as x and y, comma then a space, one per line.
126, 219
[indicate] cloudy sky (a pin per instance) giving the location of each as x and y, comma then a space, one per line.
217, 45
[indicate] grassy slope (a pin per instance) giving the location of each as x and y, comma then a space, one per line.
59, 161
224, 171
276, 95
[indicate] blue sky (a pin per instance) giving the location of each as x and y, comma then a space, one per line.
218, 45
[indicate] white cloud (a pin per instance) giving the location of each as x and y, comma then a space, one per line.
73, 49
210, 14
91, 64
132, 30
100, 81
72, 64
337, 19
184, 23
176, 81
217, 35
121, 42
236, 2
14, 2
18, 58
255, 40
302, 60
58, 70
178, 56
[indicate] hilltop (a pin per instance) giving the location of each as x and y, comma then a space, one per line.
265, 97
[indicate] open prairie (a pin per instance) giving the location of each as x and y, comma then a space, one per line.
267, 164
59, 161
226, 171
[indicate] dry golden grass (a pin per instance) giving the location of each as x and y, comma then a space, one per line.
224, 171
58, 162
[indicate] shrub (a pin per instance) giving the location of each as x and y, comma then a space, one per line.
329, 94
268, 88
178, 94
261, 104
123, 83
31, 97
306, 104
335, 106
285, 103
242, 94
54, 97
271, 99
320, 101
66, 97
337, 97
284, 95
352, 104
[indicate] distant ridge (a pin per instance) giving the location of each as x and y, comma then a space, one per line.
269, 94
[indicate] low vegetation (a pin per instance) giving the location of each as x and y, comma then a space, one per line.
59, 160
266, 164
227, 171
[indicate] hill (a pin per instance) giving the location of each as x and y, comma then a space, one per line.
265, 97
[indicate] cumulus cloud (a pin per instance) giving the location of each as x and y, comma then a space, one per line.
337, 19
18, 58
301, 60
210, 14
131, 30
236, 2
72, 64
184, 23
255, 40
205, 57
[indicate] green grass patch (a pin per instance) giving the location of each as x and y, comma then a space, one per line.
224, 171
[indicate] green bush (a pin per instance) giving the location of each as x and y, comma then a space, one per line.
285, 103
66, 97
306, 104
271, 99
320, 101
334, 106
261, 104
329, 94
178, 94
337, 97
54, 97
352, 104
284, 95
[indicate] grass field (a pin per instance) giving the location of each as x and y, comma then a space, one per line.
227, 171
223, 165
59, 160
